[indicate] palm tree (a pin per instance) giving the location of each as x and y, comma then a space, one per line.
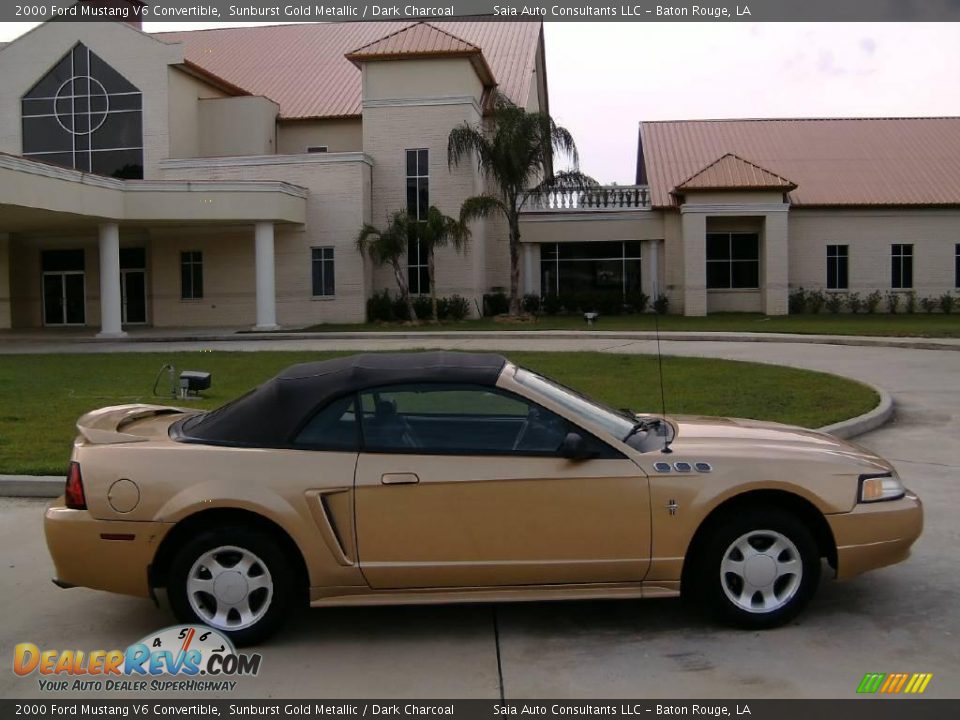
388, 247
515, 151
435, 231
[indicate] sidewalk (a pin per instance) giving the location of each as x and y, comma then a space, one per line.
40, 341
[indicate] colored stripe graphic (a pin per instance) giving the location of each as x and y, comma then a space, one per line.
871, 682
894, 683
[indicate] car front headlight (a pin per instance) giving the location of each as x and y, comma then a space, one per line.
878, 488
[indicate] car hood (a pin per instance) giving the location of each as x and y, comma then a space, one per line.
767, 439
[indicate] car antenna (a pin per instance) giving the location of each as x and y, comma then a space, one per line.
663, 398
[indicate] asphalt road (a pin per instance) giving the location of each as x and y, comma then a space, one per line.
901, 619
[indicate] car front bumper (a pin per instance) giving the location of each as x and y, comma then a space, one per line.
111, 555
874, 535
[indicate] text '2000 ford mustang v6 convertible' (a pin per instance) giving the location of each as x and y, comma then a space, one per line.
449, 477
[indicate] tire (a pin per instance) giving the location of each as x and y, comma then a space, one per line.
234, 579
757, 568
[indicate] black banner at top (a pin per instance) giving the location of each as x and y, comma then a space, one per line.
277, 11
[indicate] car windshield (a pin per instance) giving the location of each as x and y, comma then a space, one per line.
618, 424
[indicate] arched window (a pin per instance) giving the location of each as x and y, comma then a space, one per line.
83, 114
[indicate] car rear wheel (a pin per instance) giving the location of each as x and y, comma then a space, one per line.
233, 579
758, 568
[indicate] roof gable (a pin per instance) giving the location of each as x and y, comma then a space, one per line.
840, 162
423, 40
306, 73
732, 172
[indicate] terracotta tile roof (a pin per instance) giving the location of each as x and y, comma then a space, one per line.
847, 162
423, 40
303, 68
732, 172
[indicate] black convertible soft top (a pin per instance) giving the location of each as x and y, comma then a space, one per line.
270, 414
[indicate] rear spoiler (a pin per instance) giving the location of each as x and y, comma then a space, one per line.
103, 426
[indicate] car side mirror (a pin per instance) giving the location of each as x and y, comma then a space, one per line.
574, 447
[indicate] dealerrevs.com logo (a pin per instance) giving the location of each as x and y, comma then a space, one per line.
188, 657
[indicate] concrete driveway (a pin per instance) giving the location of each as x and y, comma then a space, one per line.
901, 619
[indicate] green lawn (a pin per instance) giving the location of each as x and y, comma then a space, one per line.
929, 326
42, 395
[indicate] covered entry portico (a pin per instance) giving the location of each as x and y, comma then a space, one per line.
52, 219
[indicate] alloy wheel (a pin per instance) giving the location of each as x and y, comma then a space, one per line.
761, 571
229, 588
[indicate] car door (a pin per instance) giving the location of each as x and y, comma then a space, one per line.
464, 486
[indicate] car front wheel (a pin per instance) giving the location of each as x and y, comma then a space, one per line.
759, 568
233, 579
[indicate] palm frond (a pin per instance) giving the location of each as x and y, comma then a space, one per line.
481, 206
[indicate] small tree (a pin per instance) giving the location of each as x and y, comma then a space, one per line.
436, 231
515, 151
388, 247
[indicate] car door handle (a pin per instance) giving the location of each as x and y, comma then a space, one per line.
399, 479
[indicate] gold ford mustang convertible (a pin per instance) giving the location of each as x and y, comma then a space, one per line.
449, 477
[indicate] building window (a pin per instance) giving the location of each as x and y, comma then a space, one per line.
84, 115
418, 202
585, 267
837, 267
956, 265
322, 266
191, 275
901, 267
733, 261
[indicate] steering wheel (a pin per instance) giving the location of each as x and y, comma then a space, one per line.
407, 436
531, 415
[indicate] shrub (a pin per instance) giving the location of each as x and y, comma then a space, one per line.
496, 303
661, 304
400, 312
872, 301
835, 302
380, 307
947, 301
797, 301
458, 308
570, 303
910, 306
893, 302
604, 302
423, 307
815, 301
551, 304
929, 304
637, 301
854, 302
531, 304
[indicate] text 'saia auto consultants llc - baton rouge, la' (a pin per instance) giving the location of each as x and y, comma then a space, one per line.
186, 658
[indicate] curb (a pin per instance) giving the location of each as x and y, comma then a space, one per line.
31, 486
912, 343
37, 486
871, 420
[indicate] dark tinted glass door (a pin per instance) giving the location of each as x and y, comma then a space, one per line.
134, 289
63, 301
53, 299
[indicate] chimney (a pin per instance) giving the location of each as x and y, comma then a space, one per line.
133, 7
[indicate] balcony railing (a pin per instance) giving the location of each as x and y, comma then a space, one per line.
602, 199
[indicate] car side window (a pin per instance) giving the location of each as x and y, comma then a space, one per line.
435, 418
333, 428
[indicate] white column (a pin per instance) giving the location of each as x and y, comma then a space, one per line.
694, 227
650, 269
110, 313
776, 263
5, 307
266, 278
529, 277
